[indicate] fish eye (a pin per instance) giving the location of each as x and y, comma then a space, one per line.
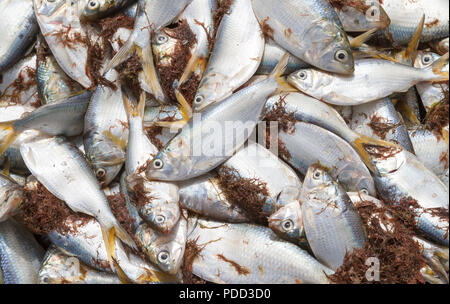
317, 174
163, 257
162, 39
93, 4
341, 56
100, 173
302, 75
426, 59
198, 99
46, 279
364, 191
287, 225
159, 219
158, 164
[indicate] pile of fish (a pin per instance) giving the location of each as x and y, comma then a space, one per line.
224, 141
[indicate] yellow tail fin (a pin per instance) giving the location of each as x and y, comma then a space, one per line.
359, 40
410, 51
10, 137
194, 62
186, 109
278, 72
150, 77
123, 54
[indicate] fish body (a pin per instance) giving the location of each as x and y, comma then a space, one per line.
238, 36
303, 142
19, 30
255, 258
332, 224
310, 30
11, 196
20, 254
106, 131
379, 119
384, 78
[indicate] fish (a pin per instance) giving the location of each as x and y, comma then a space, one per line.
238, 36
66, 37
65, 118
384, 78
53, 84
441, 47
287, 223
106, 130
164, 250
97, 9
204, 196
332, 224
402, 180
157, 201
61, 268
19, 27
431, 150
183, 158
430, 93
46, 157
308, 30
403, 14
360, 15
150, 17
11, 196
379, 119
20, 254
304, 140
253, 259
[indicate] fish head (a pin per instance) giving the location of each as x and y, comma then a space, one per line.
425, 59
162, 213
211, 89
164, 47
168, 165
318, 184
11, 196
287, 222
357, 16
95, 9
106, 158
59, 268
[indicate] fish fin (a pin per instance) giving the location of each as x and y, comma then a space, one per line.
124, 279
194, 62
361, 39
11, 135
406, 112
141, 106
130, 106
7, 167
278, 72
115, 140
124, 236
178, 124
285, 87
360, 143
436, 68
410, 51
109, 239
186, 109
123, 54
149, 75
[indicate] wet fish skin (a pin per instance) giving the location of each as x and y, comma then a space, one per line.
332, 224
106, 131
310, 30
303, 142
19, 28
97, 9
238, 36
11, 196
203, 196
20, 254
379, 119
400, 175
384, 78
254, 259
60, 268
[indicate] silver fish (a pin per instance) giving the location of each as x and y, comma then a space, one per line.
19, 30
97, 9
253, 259
310, 30
287, 223
183, 157
203, 196
379, 119
11, 196
332, 224
384, 78
238, 36
20, 254
106, 130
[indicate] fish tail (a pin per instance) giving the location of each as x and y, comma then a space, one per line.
411, 50
361, 39
150, 80
194, 62
12, 134
186, 109
124, 279
277, 73
123, 54
359, 145
130, 106
109, 240
436, 73
124, 236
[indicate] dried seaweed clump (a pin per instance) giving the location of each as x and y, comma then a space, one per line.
43, 213
191, 252
24, 81
152, 133
438, 117
248, 193
286, 122
95, 59
380, 127
110, 25
398, 254
120, 211
129, 74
